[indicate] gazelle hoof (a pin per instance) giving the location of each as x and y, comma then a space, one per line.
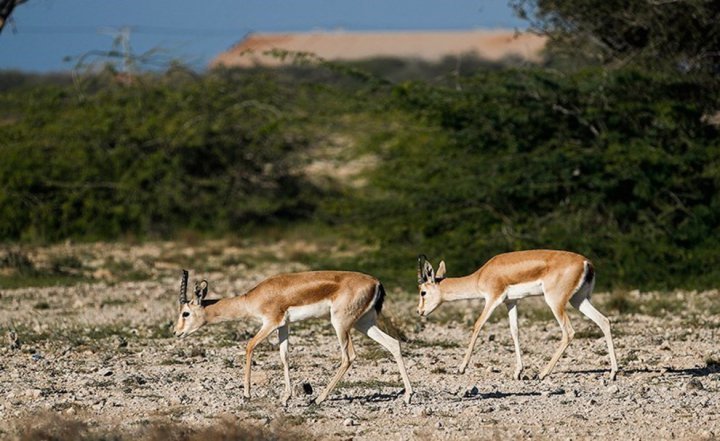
613, 375
408, 397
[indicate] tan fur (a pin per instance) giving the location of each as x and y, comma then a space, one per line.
560, 276
348, 297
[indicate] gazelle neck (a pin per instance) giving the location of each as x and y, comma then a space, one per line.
459, 288
230, 308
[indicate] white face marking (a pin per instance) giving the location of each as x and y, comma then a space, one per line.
429, 298
522, 290
315, 310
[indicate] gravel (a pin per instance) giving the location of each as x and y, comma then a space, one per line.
114, 363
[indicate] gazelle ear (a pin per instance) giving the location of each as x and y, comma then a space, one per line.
441, 271
201, 290
428, 272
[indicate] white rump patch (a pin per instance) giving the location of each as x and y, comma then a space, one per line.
522, 290
315, 310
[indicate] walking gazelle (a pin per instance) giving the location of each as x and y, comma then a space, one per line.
350, 299
559, 276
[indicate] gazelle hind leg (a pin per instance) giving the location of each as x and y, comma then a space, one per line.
513, 319
347, 353
567, 335
581, 301
367, 326
283, 340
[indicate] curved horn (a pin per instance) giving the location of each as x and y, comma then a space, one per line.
183, 287
421, 276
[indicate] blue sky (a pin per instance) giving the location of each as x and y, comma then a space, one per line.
46, 31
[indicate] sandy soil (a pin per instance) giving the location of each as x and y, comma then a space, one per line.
102, 352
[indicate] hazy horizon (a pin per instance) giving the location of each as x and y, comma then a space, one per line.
42, 34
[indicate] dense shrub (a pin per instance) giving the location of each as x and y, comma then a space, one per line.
622, 166
210, 154
619, 166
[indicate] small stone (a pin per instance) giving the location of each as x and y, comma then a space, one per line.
613, 389
230, 386
423, 412
349, 422
70, 411
706, 435
307, 388
36, 357
33, 393
471, 392
439, 425
118, 341
694, 384
303, 388
106, 372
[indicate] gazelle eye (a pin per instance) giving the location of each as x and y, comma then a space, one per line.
422, 293
186, 314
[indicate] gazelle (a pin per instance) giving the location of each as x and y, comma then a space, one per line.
350, 299
559, 276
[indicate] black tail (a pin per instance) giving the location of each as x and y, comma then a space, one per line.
589, 272
379, 298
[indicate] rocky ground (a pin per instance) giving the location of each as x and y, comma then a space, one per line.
100, 351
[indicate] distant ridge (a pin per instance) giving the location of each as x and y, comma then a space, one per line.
491, 45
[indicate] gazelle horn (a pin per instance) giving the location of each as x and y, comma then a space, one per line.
183, 287
421, 276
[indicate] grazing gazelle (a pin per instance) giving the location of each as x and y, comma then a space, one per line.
350, 299
559, 276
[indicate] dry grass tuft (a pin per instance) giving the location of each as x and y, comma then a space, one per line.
53, 427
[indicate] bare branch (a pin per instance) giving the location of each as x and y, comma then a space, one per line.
6, 9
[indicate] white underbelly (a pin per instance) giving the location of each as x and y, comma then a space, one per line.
522, 290
298, 313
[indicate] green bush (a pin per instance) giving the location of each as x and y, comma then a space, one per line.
622, 166
212, 154
618, 166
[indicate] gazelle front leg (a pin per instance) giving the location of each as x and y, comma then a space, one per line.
567, 335
490, 306
283, 340
262, 334
513, 319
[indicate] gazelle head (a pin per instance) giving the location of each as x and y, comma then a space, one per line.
428, 285
192, 312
